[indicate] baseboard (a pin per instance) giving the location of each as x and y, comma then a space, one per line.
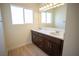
18, 46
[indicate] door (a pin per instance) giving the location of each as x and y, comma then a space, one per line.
2, 43
0, 16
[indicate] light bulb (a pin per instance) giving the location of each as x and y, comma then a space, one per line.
51, 4
41, 8
47, 6
59, 5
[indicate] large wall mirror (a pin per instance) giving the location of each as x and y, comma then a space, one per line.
53, 16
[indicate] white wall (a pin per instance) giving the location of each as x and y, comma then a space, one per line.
71, 42
17, 35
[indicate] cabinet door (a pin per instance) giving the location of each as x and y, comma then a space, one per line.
37, 39
55, 49
40, 43
47, 46
34, 37
51, 48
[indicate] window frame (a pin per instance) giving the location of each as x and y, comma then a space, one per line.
12, 15
46, 18
23, 16
32, 16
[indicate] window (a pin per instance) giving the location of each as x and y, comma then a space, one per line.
17, 15
43, 16
28, 16
49, 17
21, 16
46, 17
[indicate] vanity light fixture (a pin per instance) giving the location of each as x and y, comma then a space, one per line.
55, 3
59, 4
47, 6
41, 8
50, 6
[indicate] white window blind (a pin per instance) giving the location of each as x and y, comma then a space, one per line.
21, 15
43, 17
46, 17
28, 16
17, 15
49, 17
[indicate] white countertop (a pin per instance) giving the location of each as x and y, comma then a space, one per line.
52, 32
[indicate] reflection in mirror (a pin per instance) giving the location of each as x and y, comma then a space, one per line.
53, 16
47, 18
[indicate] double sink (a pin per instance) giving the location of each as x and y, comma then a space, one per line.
58, 33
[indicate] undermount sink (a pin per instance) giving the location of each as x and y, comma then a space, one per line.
55, 33
52, 32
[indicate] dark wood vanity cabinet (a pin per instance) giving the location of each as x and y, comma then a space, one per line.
50, 45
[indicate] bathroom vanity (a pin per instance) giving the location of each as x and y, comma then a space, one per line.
52, 44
